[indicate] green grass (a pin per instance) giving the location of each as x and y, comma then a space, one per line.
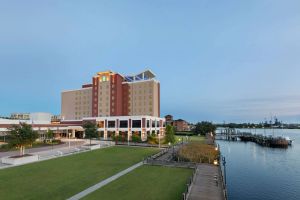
193, 138
146, 183
64, 177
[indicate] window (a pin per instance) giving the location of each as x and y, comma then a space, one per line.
111, 124
148, 123
136, 124
123, 123
153, 123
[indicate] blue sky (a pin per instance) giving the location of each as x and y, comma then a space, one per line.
216, 60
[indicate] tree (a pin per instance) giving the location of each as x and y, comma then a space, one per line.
50, 134
170, 132
90, 130
204, 127
22, 135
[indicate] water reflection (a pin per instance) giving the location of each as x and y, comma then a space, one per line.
255, 172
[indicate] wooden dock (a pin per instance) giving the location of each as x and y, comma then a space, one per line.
269, 141
207, 184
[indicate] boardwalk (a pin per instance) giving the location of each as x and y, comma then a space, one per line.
204, 185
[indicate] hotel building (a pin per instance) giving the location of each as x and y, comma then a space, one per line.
112, 94
118, 104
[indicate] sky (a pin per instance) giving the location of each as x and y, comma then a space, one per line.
232, 61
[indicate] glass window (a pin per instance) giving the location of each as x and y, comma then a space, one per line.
148, 123
136, 124
153, 123
123, 124
111, 124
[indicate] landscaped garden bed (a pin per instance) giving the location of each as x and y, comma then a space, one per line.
91, 146
19, 159
7, 147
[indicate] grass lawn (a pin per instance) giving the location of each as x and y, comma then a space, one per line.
193, 138
64, 177
146, 183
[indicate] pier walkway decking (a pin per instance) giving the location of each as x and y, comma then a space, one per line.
204, 185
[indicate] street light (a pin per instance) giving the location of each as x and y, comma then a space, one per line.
215, 162
158, 140
224, 165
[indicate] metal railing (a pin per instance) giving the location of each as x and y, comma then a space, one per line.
186, 194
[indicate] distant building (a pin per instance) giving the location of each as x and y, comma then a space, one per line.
169, 120
55, 118
20, 116
180, 124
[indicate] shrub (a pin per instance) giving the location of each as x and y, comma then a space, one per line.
152, 139
136, 138
197, 152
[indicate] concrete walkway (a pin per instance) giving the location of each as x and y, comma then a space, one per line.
49, 148
46, 153
205, 186
104, 182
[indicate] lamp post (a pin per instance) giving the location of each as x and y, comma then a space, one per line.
69, 134
159, 140
224, 165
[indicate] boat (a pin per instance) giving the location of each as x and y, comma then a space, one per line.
290, 141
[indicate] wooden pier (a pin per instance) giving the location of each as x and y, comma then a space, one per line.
269, 141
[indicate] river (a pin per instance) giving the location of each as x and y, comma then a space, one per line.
254, 172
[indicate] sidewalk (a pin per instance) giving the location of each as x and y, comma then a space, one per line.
104, 182
37, 150
46, 153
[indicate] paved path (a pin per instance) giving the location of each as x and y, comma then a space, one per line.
46, 153
104, 182
204, 185
168, 156
73, 144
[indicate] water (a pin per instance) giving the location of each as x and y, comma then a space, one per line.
262, 173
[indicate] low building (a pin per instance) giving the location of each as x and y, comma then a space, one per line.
108, 127
20, 116
179, 124
125, 126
